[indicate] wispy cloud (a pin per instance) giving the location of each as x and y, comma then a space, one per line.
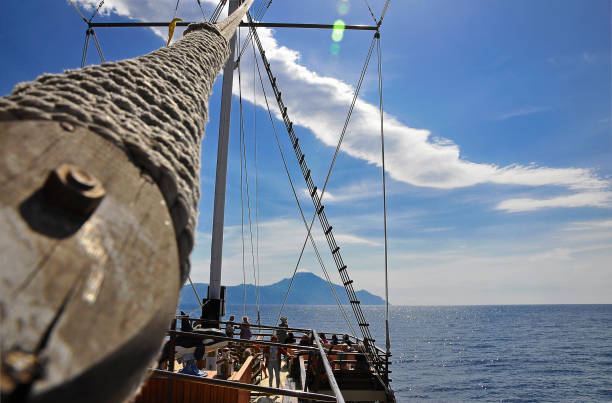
353, 239
593, 57
351, 192
594, 225
554, 270
524, 111
586, 199
280, 240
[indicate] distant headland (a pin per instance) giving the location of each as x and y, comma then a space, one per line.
307, 289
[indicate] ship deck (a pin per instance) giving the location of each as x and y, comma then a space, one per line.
314, 370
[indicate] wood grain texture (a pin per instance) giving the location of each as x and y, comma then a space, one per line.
163, 389
90, 297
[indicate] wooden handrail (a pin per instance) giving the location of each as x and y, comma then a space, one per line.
237, 376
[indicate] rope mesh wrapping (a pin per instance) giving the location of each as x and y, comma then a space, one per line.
154, 107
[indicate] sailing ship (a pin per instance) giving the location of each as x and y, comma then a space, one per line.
101, 158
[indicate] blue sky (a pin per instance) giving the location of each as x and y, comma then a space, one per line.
499, 145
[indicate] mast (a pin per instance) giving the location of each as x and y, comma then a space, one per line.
216, 249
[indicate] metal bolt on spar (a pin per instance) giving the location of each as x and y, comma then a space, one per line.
72, 188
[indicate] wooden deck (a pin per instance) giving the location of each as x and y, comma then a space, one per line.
283, 384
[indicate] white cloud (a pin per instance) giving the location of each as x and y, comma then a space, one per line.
587, 199
152, 10
414, 156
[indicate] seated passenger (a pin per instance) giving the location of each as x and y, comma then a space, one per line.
305, 341
290, 339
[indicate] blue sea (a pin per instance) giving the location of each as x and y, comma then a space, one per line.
525, 353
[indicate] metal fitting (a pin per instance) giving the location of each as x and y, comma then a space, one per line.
19, 367
74, 189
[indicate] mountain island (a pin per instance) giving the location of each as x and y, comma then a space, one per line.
307, 289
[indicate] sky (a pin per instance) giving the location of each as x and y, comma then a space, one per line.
498, 137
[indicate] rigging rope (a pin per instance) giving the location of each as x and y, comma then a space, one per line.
256, 171
342, 268
90, 33
384, 191
320, 260
78, 11
246, 181
202, 10
195, 292
176, 8
370, 10
382, 16
97, 10
85, 47
241, 192
95, 38
215, 15
259, 14
360, 82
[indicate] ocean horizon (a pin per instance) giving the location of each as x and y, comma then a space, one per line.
502, 353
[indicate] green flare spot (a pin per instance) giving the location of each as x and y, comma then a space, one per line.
338, 31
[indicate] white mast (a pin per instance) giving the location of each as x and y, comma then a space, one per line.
216, 249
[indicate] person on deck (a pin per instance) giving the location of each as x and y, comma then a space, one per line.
225, 364
348, 342
334, 340
245, 329
282, 333
229, 327
290, 338
305, 341
272, 355
323, 338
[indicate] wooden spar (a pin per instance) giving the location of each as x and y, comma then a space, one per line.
242, 24
97, 227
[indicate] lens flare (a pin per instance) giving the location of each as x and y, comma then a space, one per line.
343, 7
334, 49
338, 31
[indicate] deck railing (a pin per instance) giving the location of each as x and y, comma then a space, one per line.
337, 359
